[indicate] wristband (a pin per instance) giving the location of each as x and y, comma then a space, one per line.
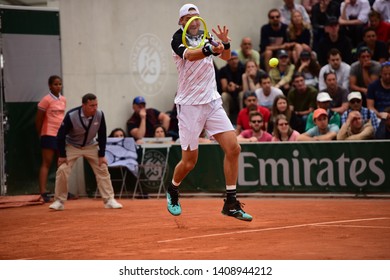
226, 46
206, 50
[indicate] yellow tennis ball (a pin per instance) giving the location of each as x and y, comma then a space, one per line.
273, 62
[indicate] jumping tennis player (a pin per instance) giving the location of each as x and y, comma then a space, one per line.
199, 106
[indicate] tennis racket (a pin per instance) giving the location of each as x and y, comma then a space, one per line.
202, 33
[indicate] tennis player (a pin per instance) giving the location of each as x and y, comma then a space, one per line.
199, 106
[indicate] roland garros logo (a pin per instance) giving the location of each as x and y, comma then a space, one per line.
153, 170
148, 64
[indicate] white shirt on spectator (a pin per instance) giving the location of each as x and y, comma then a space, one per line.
286, 13
359, 11
342, 75
267, 101
382, 7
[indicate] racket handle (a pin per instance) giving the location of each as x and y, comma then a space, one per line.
215, 44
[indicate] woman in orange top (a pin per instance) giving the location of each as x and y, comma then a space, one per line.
51, 112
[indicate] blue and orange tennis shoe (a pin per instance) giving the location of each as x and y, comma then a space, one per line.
173, 204
234, 209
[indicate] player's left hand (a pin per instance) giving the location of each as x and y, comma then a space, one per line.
222, 34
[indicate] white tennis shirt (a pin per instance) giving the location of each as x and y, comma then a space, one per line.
196, 83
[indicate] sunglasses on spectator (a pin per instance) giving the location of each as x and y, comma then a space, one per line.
257, 121
283, 124
353, 101
274, 17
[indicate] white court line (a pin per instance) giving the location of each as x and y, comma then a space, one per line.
269, 229
351, 226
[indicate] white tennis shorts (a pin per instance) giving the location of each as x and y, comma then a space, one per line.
193, 118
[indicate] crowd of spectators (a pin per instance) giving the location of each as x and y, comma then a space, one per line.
333, 58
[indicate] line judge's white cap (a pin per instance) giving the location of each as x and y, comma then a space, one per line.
185, 10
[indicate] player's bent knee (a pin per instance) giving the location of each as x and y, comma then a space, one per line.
234, 152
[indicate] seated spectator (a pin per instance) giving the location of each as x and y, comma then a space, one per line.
323, 101
334, 39
363, 72
378, 48
246, 52
141, 124
339, 95
282, 130
321, 11
336, 65
381, 27
273, 37
302, 99
287, 9
309, 67
378, 92
281, 75
251, 77
251, 104
266, 93
299, 32
322, 131
281, 106
160, 131
383, 131
355, 129
355, 104
353, 17
117, 133
231, 82
255, 133
382, 7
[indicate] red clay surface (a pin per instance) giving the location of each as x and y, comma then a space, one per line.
282, 229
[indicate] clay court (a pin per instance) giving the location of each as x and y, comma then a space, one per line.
283, 228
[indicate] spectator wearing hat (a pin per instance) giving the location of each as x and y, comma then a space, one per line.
339, 95
273, 37
256, 131
378, 48
353, 17
337, 66
322, 131
230, 77
324, 101
363, 72
309, 67
302, 99
355, 129
383, 131
281, 75
378, 92
333, 39
355, 104
251, 104
143, 120
320, 13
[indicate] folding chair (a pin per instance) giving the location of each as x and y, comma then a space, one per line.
154, 163
121, 153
